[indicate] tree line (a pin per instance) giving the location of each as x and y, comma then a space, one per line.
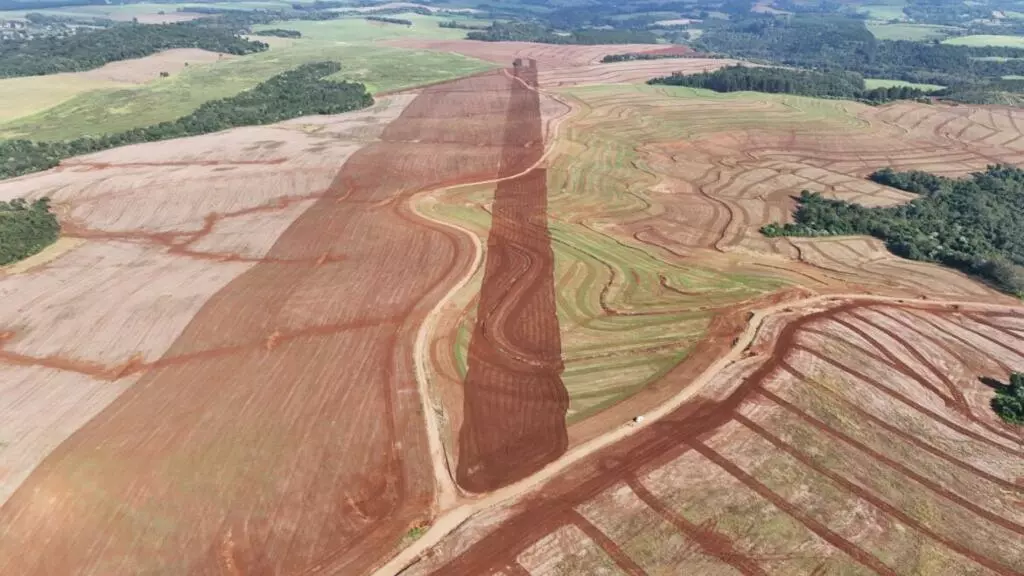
461, 25
299, 92
971, 224
280, 33
846, 85
628, 56
535, 32
389, 20
829, 42
93, 48
25, 229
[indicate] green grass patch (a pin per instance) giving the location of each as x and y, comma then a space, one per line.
995, 58
891, 10
912, 32
987, 40
33, 94
871, 83
381, 68
358, 29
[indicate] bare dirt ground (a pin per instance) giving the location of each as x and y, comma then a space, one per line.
846, 439
847, 443
515, 401
272, 434
151, 233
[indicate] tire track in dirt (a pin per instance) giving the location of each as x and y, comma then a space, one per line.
876, 455
903, 435
624, 562
515, 402
874, 383
868, 496
819, 529
306, 452
711, 543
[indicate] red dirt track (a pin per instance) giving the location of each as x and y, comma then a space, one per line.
288, 435
515, 402
769, 408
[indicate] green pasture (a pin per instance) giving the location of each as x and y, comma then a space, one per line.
987, 40
913, 32
358, 29
105, 110
884, 10
871, 83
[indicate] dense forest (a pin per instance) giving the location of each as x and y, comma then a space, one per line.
534, 32
299, 92
25, 228
90, 49
847, 85
972, 224
1008, 402
834, 42
279, 32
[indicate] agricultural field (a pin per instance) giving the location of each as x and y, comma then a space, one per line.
987, 40
116, 107
512, 319
870, 83
884, 11
912, 32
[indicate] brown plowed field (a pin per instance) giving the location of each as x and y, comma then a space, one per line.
515, 402
282, 431
856, 441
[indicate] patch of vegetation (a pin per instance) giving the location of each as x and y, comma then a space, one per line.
534, 32
90, 49
738, 78
639, 56
870, 83
388, 20
299, 92
987, 40
461, 25
911, 32
1008, 402
279, 32
116, 109
971, 224
831, 42
25, 229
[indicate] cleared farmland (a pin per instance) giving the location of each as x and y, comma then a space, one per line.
299, 456
853, 439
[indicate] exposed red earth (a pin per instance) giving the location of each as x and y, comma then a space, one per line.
515, 402
282, 432
849, 444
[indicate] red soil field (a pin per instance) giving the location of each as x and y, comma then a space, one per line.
283, 431
515, 402
916, 454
